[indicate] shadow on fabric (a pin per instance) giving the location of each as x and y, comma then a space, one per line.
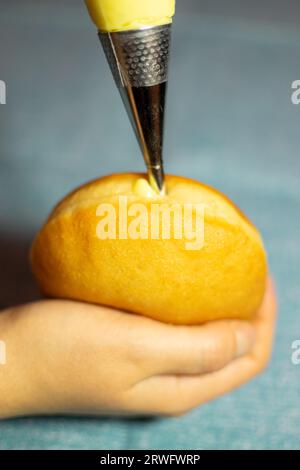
17, 284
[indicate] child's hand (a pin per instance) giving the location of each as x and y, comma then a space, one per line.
70, 357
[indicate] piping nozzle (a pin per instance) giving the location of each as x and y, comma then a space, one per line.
139, 63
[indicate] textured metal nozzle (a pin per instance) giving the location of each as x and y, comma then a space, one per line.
139, 63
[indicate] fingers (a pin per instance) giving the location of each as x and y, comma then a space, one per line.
198, 349
173, 394
264, 324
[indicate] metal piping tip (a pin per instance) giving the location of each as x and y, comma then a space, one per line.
157, 179
139, 63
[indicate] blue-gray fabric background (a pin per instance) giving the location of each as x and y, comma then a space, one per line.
230, 123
